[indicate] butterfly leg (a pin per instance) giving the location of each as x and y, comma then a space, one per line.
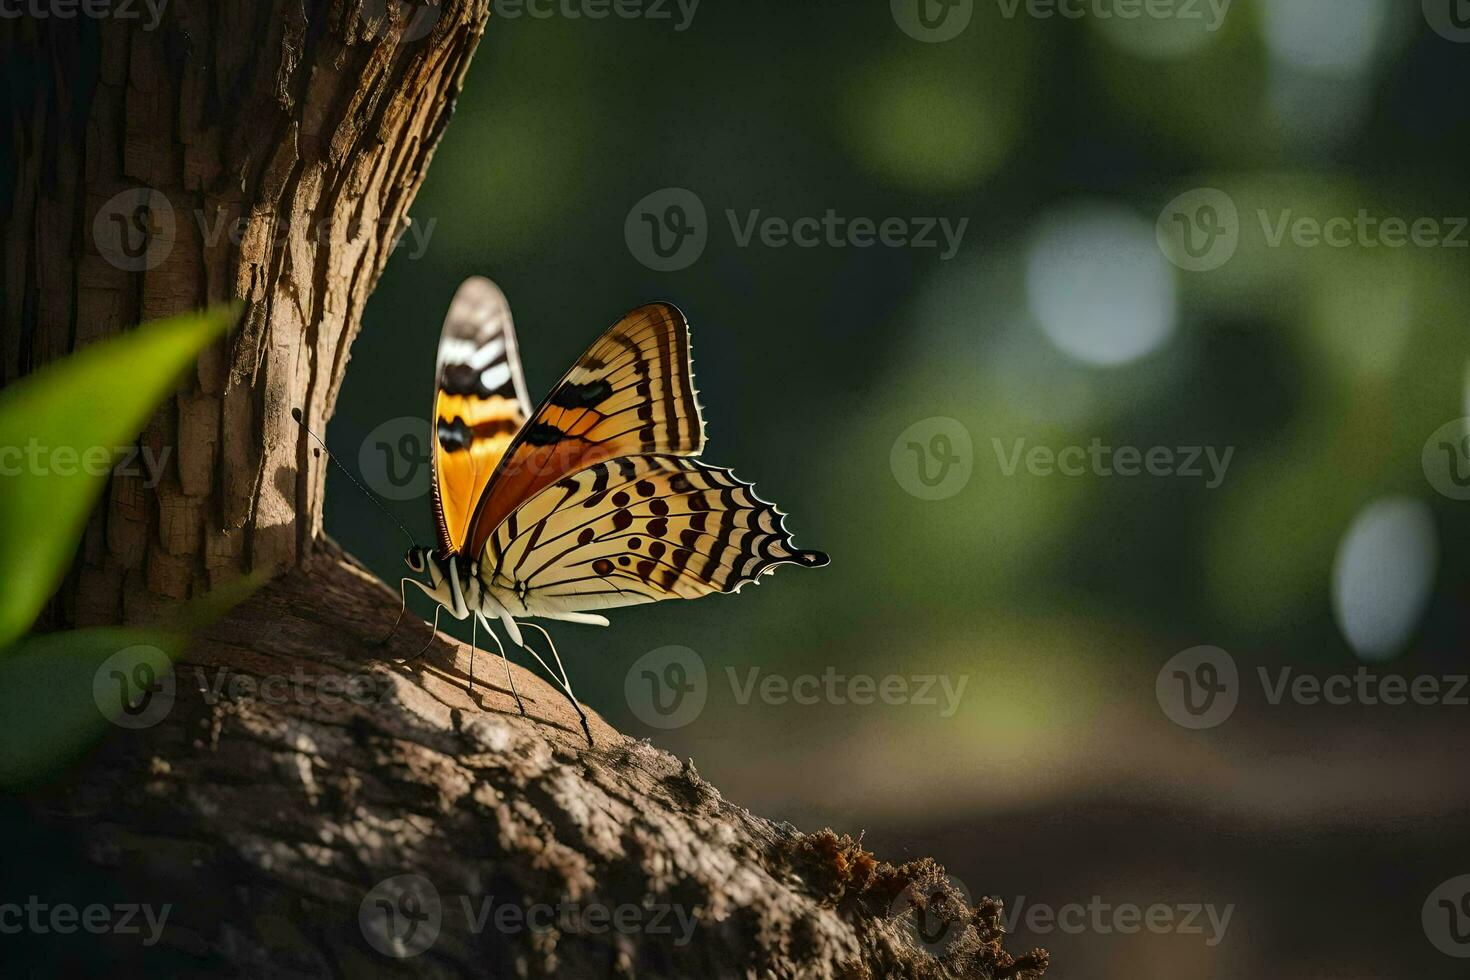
403, 585
566, 685
433, 632
470, 687
509, 677
402, 608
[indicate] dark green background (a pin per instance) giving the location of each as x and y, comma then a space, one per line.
1326, 369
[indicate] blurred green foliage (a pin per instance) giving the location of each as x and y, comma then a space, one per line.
78, 415
1326, 369
64, 427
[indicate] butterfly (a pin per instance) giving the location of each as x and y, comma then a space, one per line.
593, 499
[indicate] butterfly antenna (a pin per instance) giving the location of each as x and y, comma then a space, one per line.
296, 414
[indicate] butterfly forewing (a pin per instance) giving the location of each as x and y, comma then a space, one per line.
631, 393
480, 403
635, 529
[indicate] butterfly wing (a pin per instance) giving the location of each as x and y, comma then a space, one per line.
631, 530
480, 403
631, 393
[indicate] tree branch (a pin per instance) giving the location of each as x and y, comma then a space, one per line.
297, 773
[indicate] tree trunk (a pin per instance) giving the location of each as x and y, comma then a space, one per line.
310, 805
242, 150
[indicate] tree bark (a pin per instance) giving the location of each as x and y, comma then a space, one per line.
306, 783
274, 146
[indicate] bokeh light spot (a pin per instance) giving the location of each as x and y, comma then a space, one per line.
1098, 285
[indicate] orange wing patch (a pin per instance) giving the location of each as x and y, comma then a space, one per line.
479, 403
471, 435
631, 393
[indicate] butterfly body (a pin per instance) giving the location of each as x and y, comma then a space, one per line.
592, 501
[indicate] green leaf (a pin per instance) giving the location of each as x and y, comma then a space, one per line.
60, 692
62, 430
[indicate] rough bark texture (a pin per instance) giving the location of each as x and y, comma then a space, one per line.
276, 816
274, 147
275, 826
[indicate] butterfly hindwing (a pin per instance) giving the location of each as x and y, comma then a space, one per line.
480, 403
635, 529
631, 393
